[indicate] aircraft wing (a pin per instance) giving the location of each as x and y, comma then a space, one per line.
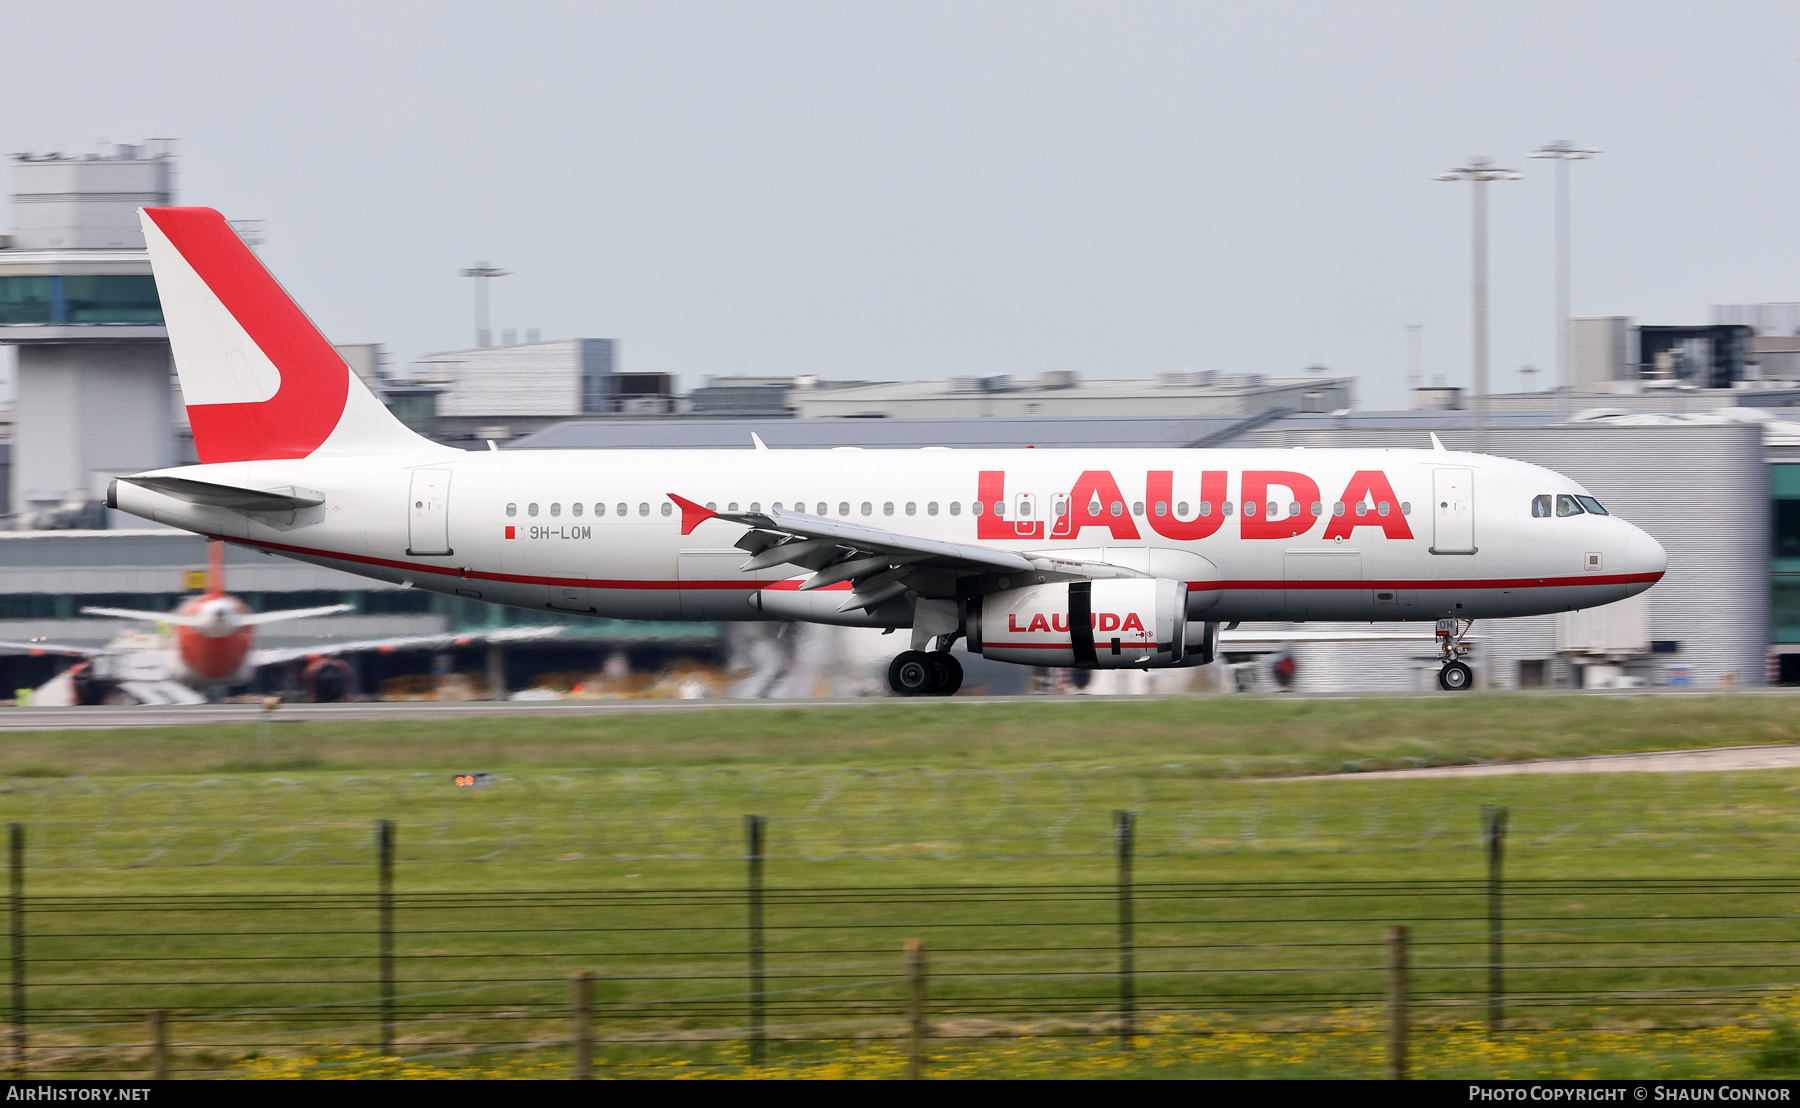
879, 564
500, 636
259, 618
52, 648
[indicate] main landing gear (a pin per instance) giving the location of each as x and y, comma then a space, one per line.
1456, 674
921, 673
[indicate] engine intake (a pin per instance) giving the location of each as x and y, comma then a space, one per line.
1117, 623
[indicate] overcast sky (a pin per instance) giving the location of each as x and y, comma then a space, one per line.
905, 190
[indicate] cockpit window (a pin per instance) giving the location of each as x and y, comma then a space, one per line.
1592, 505
1540, 506
1567, 505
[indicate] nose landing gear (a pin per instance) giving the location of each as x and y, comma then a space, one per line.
1456, 675
919, 673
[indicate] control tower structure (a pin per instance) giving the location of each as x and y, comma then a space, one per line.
94, 392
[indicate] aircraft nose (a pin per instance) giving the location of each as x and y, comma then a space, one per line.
1644, 554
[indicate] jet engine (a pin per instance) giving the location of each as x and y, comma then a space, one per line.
1114, 623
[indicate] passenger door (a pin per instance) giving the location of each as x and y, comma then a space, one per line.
1453, 511
428, 516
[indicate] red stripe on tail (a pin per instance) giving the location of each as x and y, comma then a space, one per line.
315, 382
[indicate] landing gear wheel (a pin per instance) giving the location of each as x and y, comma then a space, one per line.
912, 674
947, 672
1455, 677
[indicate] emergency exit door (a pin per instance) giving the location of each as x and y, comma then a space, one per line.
428, 513
1453, 511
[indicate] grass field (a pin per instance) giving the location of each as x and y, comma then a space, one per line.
228, 870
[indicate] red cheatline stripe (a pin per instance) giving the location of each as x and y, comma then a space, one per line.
1193, 586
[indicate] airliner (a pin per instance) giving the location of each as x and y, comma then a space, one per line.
208, 644
1098, 559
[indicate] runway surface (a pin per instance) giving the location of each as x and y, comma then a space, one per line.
1662, 761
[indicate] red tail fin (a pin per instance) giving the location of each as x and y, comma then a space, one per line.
258, 378
215, 568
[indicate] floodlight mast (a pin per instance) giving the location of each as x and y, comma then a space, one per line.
481, 272
1479, 172
1564, 152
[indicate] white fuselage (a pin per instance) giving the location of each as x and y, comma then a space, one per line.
523, 527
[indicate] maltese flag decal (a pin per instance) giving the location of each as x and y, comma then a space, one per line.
258, 378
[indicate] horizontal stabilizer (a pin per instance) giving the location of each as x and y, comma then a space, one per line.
237, 499
147, 617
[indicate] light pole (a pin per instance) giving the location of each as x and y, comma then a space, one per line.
1564, 152
481, 272
1480, 171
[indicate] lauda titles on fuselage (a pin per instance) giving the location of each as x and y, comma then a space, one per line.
1096, 558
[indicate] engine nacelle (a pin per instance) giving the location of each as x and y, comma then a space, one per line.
1116, 623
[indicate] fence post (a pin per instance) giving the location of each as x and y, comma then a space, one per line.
1397, 1001
753, 832
1123, 823
384, 836
915, 1008
1493, 821
159, 1044
16, 865
582, 1011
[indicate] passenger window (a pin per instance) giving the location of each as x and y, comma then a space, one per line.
1361, 508
1318, 509
575, 509
1118, 509
975, 508
1592, 505
956, 507
1162, 508
1406, 507
867, 508
624, 510
600, 509
931, 508
755, 506
512, 510
912, 509
1567, 505
555, 510
843, 507
531, 510
1540, 507
1381, 509
1225, 507
1338, 508
775, 506
731, 507
1293, 510
887, 508
668, 508
1137, 507
643, 508
1000, 508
